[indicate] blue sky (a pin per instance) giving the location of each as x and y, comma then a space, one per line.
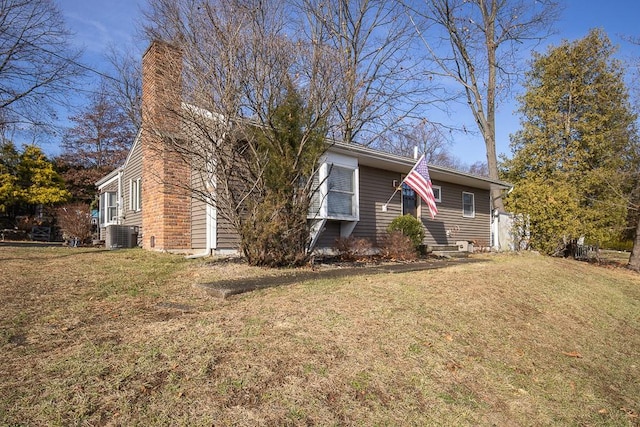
100, 23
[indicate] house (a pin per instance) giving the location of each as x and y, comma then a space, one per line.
357, 183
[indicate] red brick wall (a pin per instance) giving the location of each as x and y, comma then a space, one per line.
166, 208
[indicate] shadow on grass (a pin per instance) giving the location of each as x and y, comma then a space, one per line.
227, 288
59, 245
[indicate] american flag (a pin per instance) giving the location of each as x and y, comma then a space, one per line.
419, 180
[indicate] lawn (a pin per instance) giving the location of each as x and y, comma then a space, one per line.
92, 337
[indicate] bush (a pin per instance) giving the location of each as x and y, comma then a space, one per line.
618, 245
398, 247
353, 248
74, 220
275, 234
410, 226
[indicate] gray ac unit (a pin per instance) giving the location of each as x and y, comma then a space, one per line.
121, 236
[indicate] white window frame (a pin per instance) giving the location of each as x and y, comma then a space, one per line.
329, 161
351, 192
105, 208
438, 196
473, 205
135, 200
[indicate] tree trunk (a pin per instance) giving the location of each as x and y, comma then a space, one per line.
489, 130
492, 162
634, 259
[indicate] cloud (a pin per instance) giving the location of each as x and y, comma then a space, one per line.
99, 24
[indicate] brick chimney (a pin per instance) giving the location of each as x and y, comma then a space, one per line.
166, 207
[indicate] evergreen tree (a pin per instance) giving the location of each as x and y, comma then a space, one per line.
9, 190
273, 222
40, 184
576, 145
28, 179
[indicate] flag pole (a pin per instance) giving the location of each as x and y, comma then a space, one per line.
413, 168
384, 207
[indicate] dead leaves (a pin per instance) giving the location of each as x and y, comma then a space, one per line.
633, 415
572, 354
453, 366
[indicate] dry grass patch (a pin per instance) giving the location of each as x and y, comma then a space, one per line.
124, 338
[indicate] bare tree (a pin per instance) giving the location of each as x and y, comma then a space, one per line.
101, 135
253, 117
377, 70
126, 89
97, 143
479, 168
476, 43
426, 137
37, 64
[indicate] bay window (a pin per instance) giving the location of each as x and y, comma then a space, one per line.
336, 189
108, 208
341, 192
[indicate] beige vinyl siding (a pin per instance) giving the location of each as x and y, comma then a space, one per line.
329, 234
226, 235
132, 171
376, 186
449, 218
113, 186
198, 215
198, 224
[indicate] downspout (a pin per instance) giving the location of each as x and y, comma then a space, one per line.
120, 199
209, 223
211, 215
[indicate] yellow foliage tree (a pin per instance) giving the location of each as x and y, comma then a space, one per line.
28, 178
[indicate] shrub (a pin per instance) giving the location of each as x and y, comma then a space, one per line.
398, 247
275, 233
74, 220
618, 245
410, 226
353, 248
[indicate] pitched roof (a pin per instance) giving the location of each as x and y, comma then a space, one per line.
393, 162
366, 156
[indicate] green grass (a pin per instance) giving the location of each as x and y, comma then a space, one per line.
98, 337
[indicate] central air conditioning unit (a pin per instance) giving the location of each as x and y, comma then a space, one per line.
121, 236
465, 246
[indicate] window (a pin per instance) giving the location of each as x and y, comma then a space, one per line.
409, 201
340, 192
335, 189
108, 208
316, 197
437, 193
135, 201
468, 205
